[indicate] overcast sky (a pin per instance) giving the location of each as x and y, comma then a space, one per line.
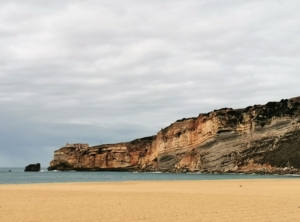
99, 71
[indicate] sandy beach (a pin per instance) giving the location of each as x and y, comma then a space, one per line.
237, 200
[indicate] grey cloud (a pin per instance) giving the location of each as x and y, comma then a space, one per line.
102, 71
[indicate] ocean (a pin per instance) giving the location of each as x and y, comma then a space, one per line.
18, 176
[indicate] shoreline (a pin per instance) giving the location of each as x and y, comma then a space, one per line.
157, 181
65, 177
181, 200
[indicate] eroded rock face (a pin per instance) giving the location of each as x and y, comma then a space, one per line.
33, 167
257, 139
132, 155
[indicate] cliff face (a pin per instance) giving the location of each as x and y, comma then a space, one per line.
257, 139
132, 155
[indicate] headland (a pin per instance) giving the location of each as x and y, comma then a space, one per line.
261, 139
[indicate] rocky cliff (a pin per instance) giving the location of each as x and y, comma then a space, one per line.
257, 139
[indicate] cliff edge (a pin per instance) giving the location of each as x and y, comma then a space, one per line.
256, 139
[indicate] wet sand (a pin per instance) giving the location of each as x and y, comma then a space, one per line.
237, 200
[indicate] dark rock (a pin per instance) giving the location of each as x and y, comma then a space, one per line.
33, 167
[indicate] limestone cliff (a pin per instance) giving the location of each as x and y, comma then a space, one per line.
257, 139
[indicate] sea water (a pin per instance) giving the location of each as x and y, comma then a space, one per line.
18, 176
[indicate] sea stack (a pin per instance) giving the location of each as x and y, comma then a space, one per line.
33, 167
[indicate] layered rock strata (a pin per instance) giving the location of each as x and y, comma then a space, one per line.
257, 139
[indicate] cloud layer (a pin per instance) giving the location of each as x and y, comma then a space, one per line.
103, 72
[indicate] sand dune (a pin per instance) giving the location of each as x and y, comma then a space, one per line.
238, 200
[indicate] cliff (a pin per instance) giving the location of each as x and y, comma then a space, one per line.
257, 139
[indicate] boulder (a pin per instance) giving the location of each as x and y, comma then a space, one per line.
33, 167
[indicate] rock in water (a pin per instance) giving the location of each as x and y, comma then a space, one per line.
33, 167
257, 139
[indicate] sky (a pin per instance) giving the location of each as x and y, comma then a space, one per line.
98, 71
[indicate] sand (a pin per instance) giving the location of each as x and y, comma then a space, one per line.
237, 200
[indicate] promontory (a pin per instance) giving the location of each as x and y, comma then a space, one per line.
256, 139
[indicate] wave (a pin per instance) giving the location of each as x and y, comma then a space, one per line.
292, 175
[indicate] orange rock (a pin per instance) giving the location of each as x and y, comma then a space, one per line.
260, 138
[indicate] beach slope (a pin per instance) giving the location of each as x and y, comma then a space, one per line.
236, 200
